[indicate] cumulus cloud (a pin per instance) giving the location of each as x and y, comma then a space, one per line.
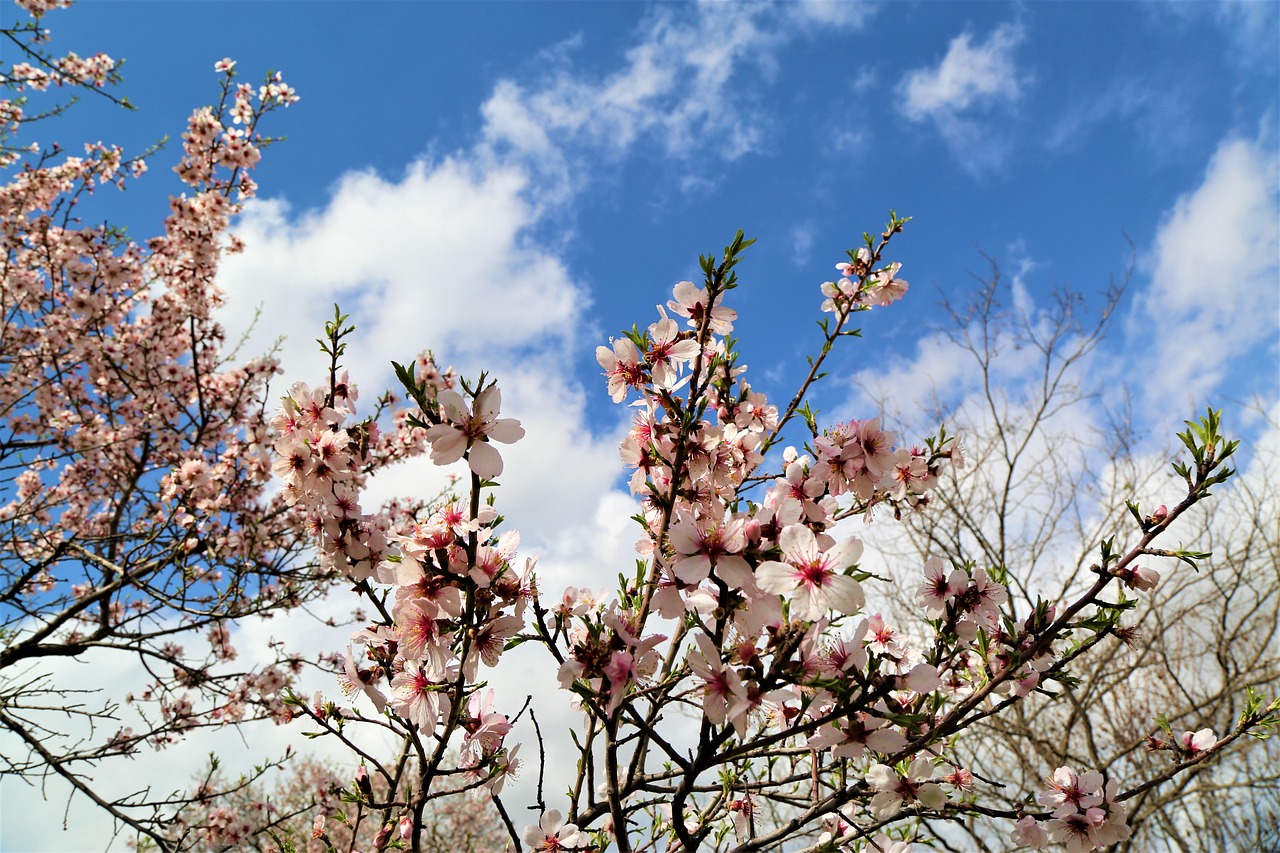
1213, 298
968, 83
1203, 318
439, 257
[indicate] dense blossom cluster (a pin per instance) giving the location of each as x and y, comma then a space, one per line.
748, 606
137, 514
458, 593
1084, 812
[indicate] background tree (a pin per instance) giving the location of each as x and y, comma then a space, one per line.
316, 806
1055, 458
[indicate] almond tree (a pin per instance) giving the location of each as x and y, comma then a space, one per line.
137, 517
745, 616
310, 809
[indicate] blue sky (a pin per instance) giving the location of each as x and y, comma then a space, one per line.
511, 183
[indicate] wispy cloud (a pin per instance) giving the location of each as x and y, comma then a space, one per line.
678, 88
1251, 27
1159, 115
801, 242
970, 81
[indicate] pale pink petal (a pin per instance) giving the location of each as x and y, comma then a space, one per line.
489, 402
798, 541
931, 796
694, 568
506, 430
485, 460
843, 593
882, 777
447, 444
452, 406
775, 577
845, 554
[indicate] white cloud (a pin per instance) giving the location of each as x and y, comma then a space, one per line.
673, 85
844, 142
966, 76
801, 243
438, 258
970, 80
678, 88
939, 370
828, 13
1214, 294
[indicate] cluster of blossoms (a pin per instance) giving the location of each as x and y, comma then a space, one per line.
1190, 746
714, 553
747, 606
38, 7
452, 593
138, 504
71, 68
1084, 813
861, 286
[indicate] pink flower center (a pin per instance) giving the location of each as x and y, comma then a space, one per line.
814, 573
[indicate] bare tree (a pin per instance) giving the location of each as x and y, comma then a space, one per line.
1055, 459
313, 806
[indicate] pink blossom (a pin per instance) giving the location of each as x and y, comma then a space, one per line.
939, 587
354, 679
418, 698
701, 544
420, 637
666, 352
483, 725
467, 432
552, 833
626, 666
691, 301
812, 576
1194, 743
1139, 577
723, 695
854, 735
1066, 792
1029, 833
622, 367
743, 810
893, 790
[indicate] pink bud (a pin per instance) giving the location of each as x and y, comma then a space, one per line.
362, 781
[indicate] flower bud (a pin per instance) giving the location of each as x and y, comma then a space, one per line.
363, 785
